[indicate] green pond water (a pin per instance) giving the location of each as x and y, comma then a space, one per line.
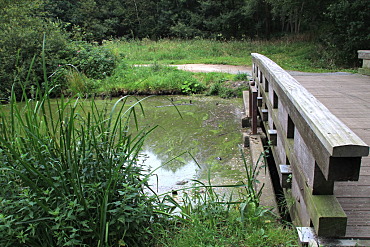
209, 128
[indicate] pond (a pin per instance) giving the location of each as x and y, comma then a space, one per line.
208, 128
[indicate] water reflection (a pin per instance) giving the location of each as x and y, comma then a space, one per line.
208, 128
165, 179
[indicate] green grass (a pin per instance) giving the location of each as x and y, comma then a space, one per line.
159, 79
230, 231
153, 79
289, 54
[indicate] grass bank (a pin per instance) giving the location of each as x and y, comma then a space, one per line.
291, 54
154, 77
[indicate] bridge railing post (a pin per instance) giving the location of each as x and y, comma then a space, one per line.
253, 108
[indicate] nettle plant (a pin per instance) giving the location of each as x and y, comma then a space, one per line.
70, 174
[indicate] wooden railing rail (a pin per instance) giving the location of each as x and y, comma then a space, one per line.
311, 147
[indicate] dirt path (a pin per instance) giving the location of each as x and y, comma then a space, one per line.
232, 69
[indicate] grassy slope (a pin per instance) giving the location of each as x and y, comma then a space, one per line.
288, 54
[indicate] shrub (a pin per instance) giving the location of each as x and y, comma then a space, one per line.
21, 41
25, 35
96, 62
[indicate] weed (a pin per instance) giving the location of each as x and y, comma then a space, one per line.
70, 177
190, 87
241, 77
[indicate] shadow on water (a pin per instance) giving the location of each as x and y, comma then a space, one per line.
208, 128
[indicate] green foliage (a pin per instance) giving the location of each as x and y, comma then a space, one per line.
96, 62
79, 84
348, 31
241, 77
21, 40
291, 52
70, 177
190, 87
153, 79
225, 89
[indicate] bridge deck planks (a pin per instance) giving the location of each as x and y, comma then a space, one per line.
348, 97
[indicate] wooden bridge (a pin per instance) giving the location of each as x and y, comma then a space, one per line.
318, 127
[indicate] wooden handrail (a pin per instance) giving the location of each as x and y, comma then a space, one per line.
318, 148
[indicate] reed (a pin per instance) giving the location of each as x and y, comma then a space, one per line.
70, 174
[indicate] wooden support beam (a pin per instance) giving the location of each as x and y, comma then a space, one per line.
259, 101
286, 176
272, 135
253, 107
327, 215
246, 121
265, 115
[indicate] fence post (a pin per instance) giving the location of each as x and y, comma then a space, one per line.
253, 108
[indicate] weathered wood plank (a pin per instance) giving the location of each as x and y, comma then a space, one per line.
318, 184
326, 214
360, 203
358, 231
286, 176
352, 191
329, 129
317, 124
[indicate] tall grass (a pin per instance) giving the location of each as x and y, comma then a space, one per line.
152, 79
70, 177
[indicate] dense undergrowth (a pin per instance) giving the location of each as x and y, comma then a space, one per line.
72, 177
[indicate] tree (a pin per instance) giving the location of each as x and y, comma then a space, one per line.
348, 30
22, 32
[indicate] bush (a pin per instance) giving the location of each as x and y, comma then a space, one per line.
96, 62
21, 40
25, 34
